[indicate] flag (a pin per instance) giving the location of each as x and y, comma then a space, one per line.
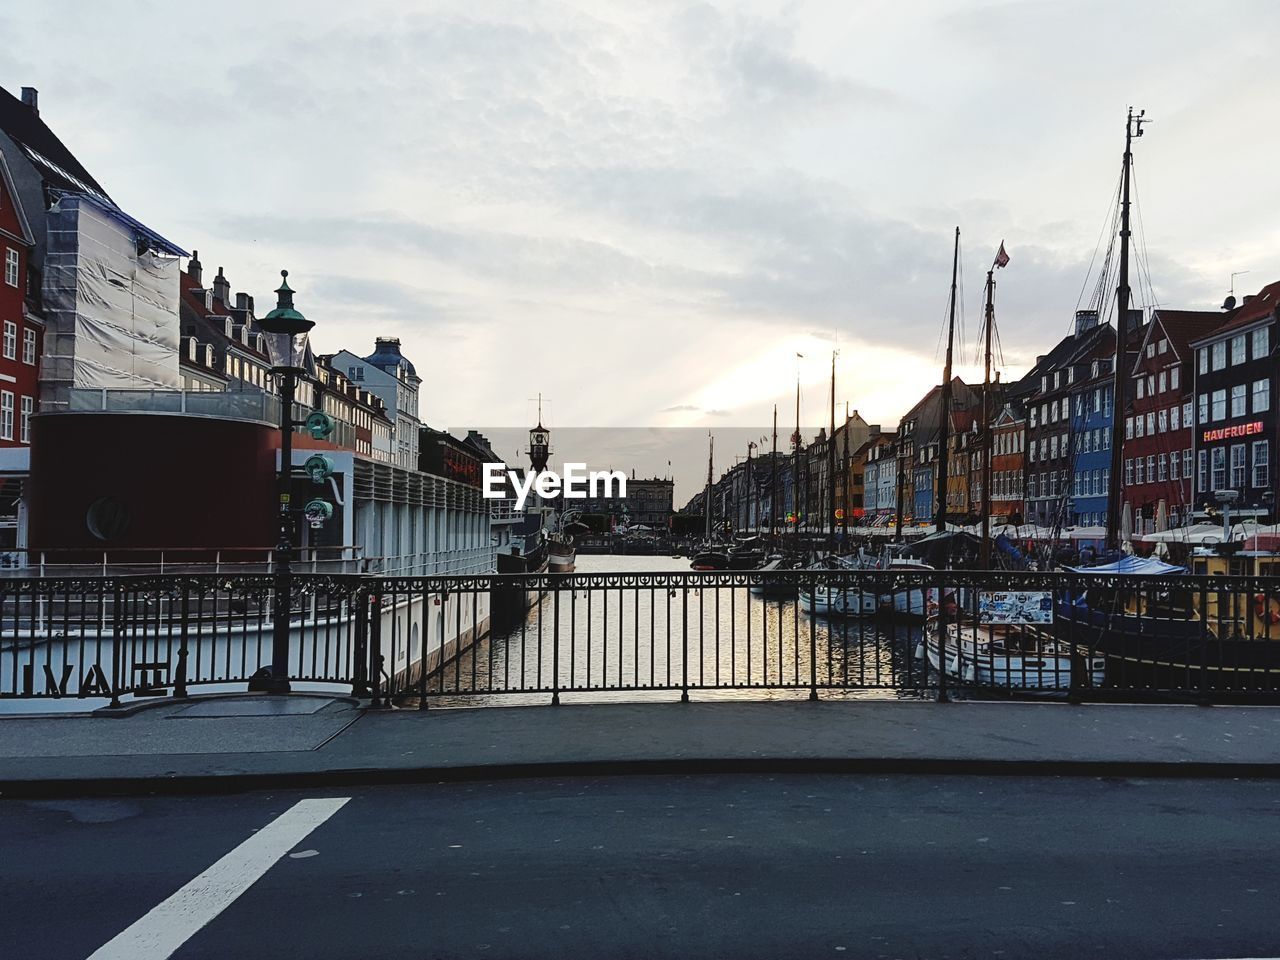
1002, 258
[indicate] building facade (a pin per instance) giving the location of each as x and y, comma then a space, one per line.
1235, 408
1159, 428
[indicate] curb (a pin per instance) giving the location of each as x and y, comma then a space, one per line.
50, 788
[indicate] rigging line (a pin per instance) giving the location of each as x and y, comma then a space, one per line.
1111, 206
1144, 258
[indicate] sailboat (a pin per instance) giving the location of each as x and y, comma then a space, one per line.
711, 556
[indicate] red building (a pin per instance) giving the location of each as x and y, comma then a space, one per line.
1158, 441
22, 331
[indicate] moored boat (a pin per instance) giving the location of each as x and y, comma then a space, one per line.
1016, 657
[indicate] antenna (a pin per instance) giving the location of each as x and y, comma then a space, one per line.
538, 401
1238, 273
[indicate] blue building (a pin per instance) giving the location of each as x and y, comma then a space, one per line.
1091, 418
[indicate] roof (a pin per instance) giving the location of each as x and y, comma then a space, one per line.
24, 225
1255, 308
192, 304
1181, 327
57, 165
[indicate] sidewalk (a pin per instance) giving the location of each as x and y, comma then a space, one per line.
250, 742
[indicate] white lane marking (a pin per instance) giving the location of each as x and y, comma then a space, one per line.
169, 925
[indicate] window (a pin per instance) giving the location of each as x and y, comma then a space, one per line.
1162, 421
1151, 384
29, 347
1237, 466
1238, 400
1151, 424
1186, 464
1202, 471
1219, 406
1031, 453
1173, 418
10, 340
1138, 421
1128, 473
1218, 355
1218, 471
1261, 395
1033, 416
1239, 352
28, 406
1162, 465
6, 415
1261, 342
1202, 359
1151, 469
1141, 385
1203, 404
1139, 471
1186, 415
1261, 464
1162, 382
1173, 464
11, 266
1175, 377
1106, 439
1053, 447
1163, 346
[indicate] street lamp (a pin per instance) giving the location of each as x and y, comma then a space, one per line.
285, 325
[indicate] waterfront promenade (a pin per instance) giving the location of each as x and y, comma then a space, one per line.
241, 743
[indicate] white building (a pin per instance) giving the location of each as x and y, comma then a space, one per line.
387, 374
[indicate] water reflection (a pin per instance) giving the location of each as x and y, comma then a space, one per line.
613, 642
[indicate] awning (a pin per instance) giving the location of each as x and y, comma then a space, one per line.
1134, 566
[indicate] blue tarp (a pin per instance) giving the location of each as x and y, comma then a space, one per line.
1137, 566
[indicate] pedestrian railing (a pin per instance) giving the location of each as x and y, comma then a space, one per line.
482, 637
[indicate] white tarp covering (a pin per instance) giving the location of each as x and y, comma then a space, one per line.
111, 311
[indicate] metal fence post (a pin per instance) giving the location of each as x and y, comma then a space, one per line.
360, 654
117, 631
555, 650
180, 675
943, 697
375, 647
813, 637
684, 641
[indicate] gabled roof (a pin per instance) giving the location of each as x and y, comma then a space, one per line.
1180, 327
57, 165
1257, 307
24, 226
191, 305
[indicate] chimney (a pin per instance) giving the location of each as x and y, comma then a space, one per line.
244, 302
222, 287
193, 267
1085, 320
31, 97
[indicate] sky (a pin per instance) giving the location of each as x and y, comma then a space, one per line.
644, 211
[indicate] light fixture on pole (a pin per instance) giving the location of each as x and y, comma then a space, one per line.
285, 327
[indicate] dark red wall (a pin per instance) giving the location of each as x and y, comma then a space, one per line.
183, 481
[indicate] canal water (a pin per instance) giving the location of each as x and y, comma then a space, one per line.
632, 640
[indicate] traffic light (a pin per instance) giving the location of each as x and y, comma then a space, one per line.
318, 467
319, 424
317, 512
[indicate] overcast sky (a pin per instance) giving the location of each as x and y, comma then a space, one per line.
644, 210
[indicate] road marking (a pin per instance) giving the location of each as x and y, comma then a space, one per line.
169, 925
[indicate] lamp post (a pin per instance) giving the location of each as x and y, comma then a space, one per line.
285, 324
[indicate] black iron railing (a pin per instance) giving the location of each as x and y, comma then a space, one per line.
417, 639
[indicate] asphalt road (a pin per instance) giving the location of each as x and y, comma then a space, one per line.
647, 867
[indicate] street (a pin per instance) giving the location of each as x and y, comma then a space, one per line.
740, 866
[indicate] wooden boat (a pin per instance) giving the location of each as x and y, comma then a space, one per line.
1011, 656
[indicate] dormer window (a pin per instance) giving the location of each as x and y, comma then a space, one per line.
228, 327
208, 300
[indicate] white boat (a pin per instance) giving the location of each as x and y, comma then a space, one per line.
1008, 655
837, 601
907, 601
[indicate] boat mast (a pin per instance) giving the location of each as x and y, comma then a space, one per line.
940, 521
1132, 128
831, 462
844, 471
773, 487
986, 424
